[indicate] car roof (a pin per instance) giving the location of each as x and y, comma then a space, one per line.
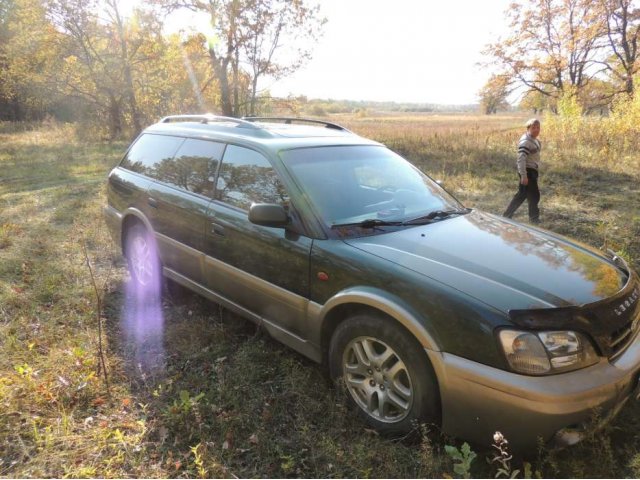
271, 133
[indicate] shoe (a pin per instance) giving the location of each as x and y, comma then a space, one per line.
535, 221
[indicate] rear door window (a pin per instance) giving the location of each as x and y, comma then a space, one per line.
148, 151
247, 177
193, 168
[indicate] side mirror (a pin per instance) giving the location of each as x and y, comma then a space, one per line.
268, 215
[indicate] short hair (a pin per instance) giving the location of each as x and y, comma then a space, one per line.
531, 122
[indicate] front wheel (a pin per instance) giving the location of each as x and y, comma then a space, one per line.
386, 372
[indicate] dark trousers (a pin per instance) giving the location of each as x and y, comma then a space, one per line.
529, 192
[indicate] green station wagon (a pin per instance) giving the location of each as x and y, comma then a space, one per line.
427, 311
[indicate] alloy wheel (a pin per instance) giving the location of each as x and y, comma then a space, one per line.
141, 258
377, 379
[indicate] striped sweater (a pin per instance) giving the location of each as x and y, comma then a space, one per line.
528, 153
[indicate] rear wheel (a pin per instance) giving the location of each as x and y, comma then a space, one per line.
142, 260
386, 372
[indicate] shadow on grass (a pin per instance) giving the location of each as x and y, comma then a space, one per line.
33, 168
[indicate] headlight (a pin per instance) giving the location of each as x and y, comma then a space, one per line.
546, 353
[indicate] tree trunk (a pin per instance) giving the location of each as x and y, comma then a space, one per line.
220, 67
133, 104
629, 84
115, 118
254, 89
236, 85
124, 52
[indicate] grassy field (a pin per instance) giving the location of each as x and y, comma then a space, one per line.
210, 395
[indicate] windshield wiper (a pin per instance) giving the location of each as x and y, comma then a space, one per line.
369, 223
436, 214
428, 218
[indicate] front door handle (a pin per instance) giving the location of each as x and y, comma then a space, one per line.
153, 203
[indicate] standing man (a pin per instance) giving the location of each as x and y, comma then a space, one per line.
528, 162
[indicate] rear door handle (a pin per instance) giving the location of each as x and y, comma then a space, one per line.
153, 203
217, 229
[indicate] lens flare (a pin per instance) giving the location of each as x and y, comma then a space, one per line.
142, 322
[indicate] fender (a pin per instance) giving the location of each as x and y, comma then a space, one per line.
131, 211
380, 300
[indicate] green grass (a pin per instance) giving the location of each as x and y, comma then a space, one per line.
210, 394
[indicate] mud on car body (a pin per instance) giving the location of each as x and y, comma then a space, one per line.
427, 311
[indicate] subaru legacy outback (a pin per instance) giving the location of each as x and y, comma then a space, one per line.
427, 311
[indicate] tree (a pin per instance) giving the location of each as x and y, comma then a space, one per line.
113, 12
7, 106
554, 44
252, 33
28, 56
494, 93
536, 102
6, 7
264, 24
622, 30
102, 54
89, 68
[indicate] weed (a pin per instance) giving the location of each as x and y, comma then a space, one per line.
185, 403
463, 458
502, 458
198, 461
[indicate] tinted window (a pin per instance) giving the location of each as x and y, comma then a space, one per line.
193, 168
247, 177
148, 151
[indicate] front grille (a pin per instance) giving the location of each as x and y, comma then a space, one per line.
622, 337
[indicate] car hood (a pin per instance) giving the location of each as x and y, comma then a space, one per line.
501, 263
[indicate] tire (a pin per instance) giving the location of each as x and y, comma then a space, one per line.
386, 373
142, 260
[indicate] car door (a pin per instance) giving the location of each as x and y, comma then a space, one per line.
179, 199
261, 269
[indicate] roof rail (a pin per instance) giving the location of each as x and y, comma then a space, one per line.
289, 120
207, 118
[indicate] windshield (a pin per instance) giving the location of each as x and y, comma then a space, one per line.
352, 184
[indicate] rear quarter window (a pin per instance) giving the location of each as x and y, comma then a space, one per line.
148, 151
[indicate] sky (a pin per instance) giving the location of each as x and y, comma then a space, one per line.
419, 51
423, 51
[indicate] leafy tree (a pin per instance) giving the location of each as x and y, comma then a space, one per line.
493, 95
175, 77
554, 44
6, 7
264, 24
7, 105
622, 33
123, 70
536, 102
126, 54
27, 57
248, 43
89, 69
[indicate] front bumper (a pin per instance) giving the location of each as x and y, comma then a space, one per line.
478, 400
